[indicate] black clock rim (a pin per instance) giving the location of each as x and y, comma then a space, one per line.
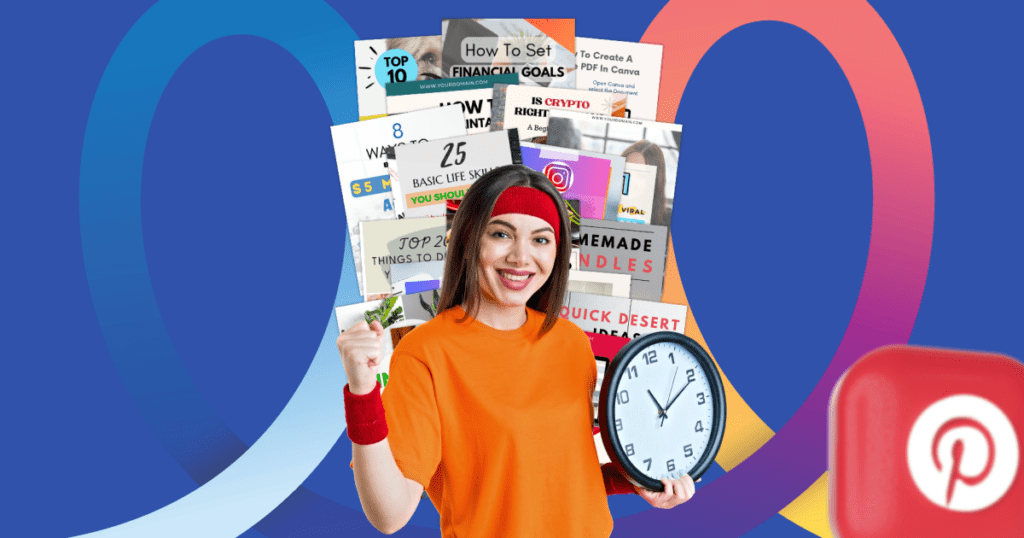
606, 411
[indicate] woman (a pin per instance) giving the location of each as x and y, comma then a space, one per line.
489, 404
647, 152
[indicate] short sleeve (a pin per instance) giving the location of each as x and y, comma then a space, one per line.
583, 350
414, 426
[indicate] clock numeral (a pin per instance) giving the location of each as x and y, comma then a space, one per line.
700, 398
648, 462
651, 356
688, 451
622, 398
672, 358
691, 375
671, 465
629, 449
618, 424
632, 372
699, 427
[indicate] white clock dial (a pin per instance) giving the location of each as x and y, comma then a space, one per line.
663, 411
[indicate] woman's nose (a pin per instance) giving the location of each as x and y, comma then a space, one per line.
516, 252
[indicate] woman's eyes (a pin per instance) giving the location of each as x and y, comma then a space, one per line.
504, 235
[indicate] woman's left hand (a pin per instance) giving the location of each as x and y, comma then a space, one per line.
677, 491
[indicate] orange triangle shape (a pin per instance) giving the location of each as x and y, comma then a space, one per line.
563, 31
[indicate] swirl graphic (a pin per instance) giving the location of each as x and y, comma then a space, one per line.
269, 474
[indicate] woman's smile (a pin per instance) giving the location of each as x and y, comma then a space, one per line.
515, 280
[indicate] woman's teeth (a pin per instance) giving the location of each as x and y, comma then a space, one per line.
514, 278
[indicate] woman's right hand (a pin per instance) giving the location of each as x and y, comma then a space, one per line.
360, 349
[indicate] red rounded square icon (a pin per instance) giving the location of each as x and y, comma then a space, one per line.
927, 442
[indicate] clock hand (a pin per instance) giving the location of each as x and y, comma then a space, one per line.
672, 384
678, 395
660, 410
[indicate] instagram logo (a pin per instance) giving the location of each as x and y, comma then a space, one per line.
963, 453
560, 174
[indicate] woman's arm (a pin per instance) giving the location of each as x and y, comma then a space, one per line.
387, 496
676, 492
614, 482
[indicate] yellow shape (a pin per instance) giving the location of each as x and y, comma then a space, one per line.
810, 509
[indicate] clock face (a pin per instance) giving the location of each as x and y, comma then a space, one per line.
665, 414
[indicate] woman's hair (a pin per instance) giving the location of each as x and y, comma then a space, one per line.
654, 157
461, 284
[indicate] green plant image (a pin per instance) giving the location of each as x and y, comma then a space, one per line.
385, 313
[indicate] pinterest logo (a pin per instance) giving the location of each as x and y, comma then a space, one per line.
963, 453
560, 174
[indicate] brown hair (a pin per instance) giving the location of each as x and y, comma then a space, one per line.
653, 156
460, 284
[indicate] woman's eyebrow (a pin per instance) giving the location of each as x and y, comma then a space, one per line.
498, 221
539, 230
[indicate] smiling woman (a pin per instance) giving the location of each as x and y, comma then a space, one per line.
514, 261
488, 407
527, 217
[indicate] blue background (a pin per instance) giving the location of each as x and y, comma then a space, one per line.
243, 223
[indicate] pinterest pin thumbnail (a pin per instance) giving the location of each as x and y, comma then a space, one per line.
927, 442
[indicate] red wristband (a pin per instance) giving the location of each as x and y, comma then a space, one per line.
365, 417
614, 482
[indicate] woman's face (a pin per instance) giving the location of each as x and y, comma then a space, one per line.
517, 253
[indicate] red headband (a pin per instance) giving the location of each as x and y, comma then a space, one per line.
528, 201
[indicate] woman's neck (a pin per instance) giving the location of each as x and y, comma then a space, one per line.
497, 315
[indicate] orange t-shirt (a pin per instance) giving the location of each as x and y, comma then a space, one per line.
496, 425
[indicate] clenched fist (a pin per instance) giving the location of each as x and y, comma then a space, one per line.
360, 349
